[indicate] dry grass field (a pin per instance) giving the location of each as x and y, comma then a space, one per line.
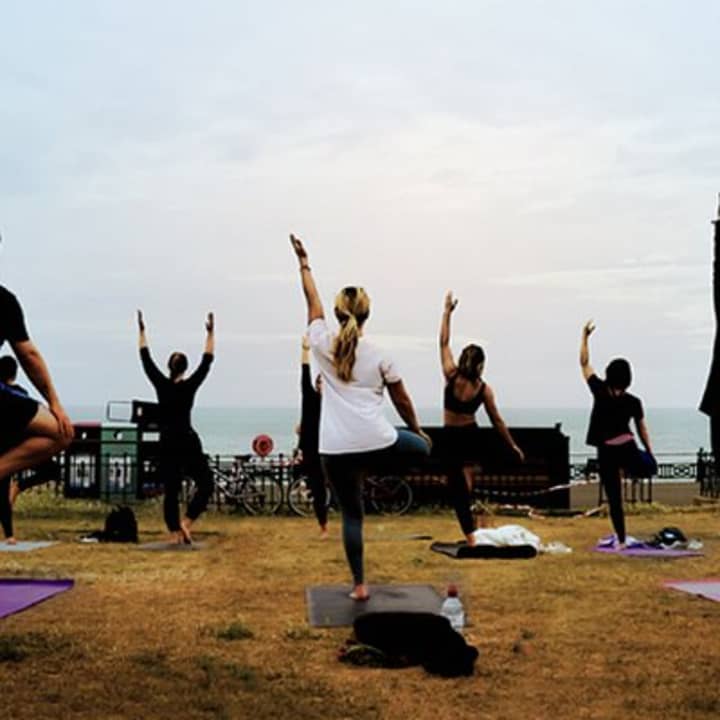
222, 633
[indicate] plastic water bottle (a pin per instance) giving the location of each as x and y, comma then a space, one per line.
452, 609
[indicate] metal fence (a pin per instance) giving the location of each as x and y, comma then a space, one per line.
115, 470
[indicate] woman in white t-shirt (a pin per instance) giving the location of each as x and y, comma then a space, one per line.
354, 432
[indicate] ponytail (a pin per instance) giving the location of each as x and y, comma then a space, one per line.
472, 362
352, 307
345, 347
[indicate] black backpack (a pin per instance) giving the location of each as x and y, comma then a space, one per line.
417, 638
120, 525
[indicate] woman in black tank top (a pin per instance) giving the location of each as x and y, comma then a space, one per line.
465, 393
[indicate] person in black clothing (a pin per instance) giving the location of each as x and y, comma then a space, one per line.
30, 433
181, 451
609, 430
46, 471
309, 439
710, 403
8, 374
465, 393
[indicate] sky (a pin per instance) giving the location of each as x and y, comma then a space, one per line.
549, 162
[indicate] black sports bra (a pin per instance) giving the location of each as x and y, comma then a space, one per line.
462, 407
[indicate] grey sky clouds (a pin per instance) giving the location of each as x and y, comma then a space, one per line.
549, 161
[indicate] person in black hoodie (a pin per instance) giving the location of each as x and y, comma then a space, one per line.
710, 403
181, 451
609, 431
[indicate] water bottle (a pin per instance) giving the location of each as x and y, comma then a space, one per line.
452, 609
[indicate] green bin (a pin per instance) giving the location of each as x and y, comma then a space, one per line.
118, 463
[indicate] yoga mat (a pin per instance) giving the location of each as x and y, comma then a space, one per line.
26, 545
709, 589
17, 595
330, 606
648, 552
461, 551
170, 547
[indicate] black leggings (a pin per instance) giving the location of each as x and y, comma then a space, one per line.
42, 474
611, 460
316, 482
182, 455
346, 474
461, 498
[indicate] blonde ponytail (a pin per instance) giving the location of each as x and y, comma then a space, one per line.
352, 307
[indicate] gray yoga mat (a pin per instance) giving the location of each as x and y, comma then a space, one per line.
170, 547
26, 545
462, 551
331, 606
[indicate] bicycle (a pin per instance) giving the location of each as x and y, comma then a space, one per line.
383, 494
253, 487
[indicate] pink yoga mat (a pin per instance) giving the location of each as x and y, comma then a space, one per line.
646, 551
17, 595
709, 589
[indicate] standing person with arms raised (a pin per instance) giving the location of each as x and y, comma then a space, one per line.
710, 403
609, 430
355, 435
309, 438
465, 392
30, 433
181, 451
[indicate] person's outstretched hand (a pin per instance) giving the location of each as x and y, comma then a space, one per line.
210, 322
588, 328
299, 249
450, 302
140, 321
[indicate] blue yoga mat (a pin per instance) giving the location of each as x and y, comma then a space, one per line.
26, 545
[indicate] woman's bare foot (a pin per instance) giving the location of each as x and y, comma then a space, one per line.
176, 538
470, 539
360, 593
14, 491
185, 526
323, 532
10, 541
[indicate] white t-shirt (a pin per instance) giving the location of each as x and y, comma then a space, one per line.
351, 416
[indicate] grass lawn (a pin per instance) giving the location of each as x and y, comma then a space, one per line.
222, 633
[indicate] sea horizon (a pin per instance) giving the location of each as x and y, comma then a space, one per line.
230, 429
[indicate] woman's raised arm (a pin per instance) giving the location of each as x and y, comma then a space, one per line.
446, 358
314, 304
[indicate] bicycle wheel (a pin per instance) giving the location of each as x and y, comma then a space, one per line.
300, 499
261, 494
228, 491
389, 495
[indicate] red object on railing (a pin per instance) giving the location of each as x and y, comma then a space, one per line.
263, 445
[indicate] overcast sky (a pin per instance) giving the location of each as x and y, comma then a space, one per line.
548, 161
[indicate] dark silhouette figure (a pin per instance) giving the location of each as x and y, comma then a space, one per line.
710, 403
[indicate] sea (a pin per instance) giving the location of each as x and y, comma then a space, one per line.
676, 433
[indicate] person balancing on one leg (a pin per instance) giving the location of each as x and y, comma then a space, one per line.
309, 438
355, 435
181, 451
30, 433
609, 431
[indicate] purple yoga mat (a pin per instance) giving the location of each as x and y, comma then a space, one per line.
17, 595
646, 551
709, 589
